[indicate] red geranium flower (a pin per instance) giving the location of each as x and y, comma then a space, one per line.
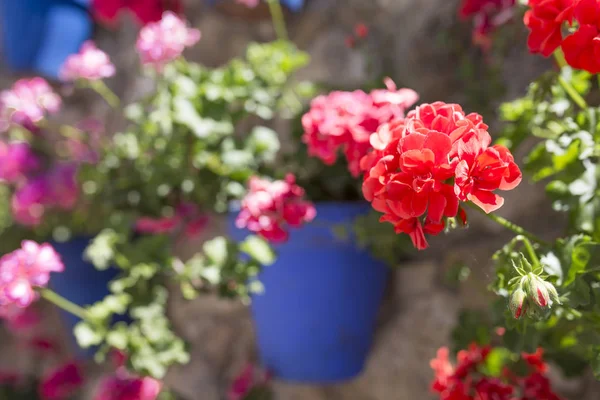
545, 20
408, 174
483, 169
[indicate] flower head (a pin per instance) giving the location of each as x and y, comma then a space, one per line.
466, 380
90, 63
270, 205
249, 379
26, 268
344, 121
409, 172
145, 11
162, 42
518, 303
124, 387
487, 16
62, 382
27, 103
17, 159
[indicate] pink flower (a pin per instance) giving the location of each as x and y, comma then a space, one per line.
162, 42
62, 180
145, 11
157, 226
269, 206
26, 103
90, 63
19, 320
344, 121
26, 268
247, 380
29, 202
186, 214
249, 3
16, 160
124, 387
57, 188
62, 382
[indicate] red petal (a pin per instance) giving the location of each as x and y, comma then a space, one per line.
487, 201
440, 145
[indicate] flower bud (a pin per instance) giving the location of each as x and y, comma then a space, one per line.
538, 291
552, 292
518, 303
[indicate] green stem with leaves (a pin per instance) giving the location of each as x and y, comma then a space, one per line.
63, 303
566, 85
108, 95
278, 19
511, 226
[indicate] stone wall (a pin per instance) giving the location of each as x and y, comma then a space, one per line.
419, 311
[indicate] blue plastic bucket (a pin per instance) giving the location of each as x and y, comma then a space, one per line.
80, 282
38, 35
316, 317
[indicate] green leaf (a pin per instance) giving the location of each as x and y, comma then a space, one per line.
580, 293
496, 360
259, 249
101, 250
216, 250
87, 335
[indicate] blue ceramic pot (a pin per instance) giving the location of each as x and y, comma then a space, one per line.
38, 35
80, 282
316, 317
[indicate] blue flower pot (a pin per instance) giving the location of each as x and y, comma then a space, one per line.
316, 317
38, 35
80, 282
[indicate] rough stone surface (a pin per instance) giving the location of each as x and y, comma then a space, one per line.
419, 312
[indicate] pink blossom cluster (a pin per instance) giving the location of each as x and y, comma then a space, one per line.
187, 216
344, 121
248, 379
23, 270
55, 189
62, 382
162, 42
27, 103
90, 63
122, 386
145, 11
271, 205
17, 160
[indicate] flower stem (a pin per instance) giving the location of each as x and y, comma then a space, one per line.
566, 85
63, 303
511, 226
572, 92
278, 19
534, 258
108, 95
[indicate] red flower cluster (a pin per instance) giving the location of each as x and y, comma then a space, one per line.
409, 175
268, 206
545, 21
345, 120
487, 16
465, 381
145, 11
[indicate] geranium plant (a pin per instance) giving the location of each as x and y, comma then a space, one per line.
547, 287
181, 159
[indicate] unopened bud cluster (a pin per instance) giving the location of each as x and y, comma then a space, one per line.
531, 290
